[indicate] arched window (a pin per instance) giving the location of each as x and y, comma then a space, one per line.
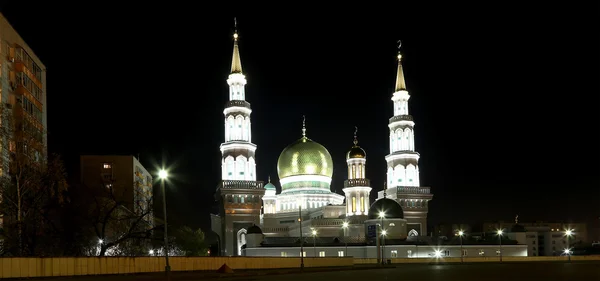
390, 177
399, 176
406, 137
229, 128
239, 120
411, 173
230, 168
391, 141
240, 162
413, 232
251, 169
245, 129
399, 143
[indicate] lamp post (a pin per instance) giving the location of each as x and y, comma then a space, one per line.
568, 233
301, 239
345, 227
314, 235
500, 238
460, 235
383, 232
162, 174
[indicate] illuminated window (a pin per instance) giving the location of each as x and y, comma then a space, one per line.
353, 204
340, 253
304, 254
283, 254
394, 253
362, 203
107, 166
321, 253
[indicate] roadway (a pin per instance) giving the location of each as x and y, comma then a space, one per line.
528, 271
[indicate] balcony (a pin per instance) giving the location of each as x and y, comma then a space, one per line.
401, 118
357, 182
238, 103
240, 184
412, 190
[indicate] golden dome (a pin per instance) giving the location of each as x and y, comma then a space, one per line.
356, 152
304, 157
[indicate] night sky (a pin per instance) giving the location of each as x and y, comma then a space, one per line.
504, 97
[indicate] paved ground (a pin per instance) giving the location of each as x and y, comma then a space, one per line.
529, 271
459, 272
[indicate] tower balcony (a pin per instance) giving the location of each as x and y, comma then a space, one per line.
413, 190
357, 182
240, 184
238, 103
401, 118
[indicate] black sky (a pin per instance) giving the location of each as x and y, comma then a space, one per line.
504, 96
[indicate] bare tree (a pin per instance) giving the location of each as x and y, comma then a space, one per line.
116, 222
24, 166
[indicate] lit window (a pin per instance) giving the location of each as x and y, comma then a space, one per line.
340, 253
107, 166
304, 254
394, 253
283, 254
321, 253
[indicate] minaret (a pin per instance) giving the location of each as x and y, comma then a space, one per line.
239, 194
403, 161
357, 186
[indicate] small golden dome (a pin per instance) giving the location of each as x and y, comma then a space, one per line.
356, 152
304, 157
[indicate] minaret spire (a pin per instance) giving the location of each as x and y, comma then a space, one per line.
236, 62
303, 126
355, 131
400, 83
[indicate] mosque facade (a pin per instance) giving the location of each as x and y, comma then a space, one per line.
255, 220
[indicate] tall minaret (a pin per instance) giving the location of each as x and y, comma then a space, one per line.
357, 187
403, 161
237, 150
239, 194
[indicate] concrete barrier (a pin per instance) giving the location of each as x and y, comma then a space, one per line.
72, 266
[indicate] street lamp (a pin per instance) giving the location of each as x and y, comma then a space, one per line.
383, 232
460, 235
345, 227
568, 233
162, 174
301, 239
500, 238
314, 234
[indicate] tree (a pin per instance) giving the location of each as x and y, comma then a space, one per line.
29, 184
190, 242
121, 228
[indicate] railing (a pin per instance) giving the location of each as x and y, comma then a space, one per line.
240, 184
325, 222
413, 189
401, 118
240, 103
357, 182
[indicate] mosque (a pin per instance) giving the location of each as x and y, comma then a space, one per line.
254, 220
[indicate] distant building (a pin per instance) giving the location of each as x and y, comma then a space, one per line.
22, 103
542, 238
129, 181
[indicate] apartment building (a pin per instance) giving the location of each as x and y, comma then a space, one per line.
23, 120
543, 238
125, 176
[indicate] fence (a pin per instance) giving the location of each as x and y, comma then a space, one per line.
46, 267
481, 259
